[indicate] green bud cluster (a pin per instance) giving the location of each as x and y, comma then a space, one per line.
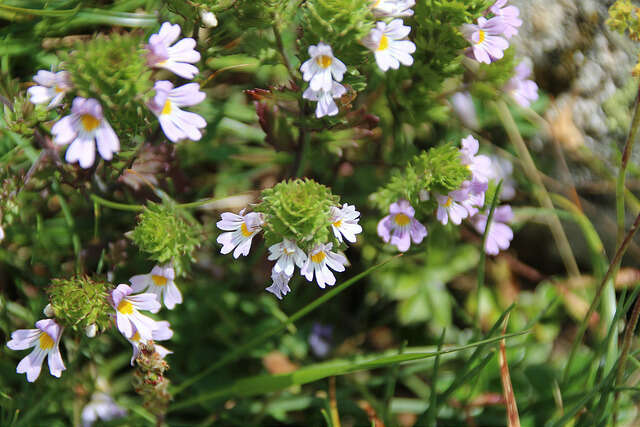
339, 23
79, 302
299, 210
625, 17
438, 170
149, 380
23, 116
113, 70
165, 234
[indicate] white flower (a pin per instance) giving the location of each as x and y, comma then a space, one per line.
45, 341
344, 222
51, 88
326, 105
280, 285
91, 330
318, 70
176, 123
177, 58
160, 283
388, 46
393, 7
162, 332
1, 234
101, 406
128, 317
475, 191
81, 128
208, 19
319, 261
479, 165
241, 229
451, 207
288, 255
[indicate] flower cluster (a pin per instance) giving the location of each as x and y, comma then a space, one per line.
488, 37
86, 127
387, 41
310, 245
147, 293
467, 201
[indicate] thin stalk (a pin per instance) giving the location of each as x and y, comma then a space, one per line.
626, 345
612, 267
540, 192
483, 255
114, 205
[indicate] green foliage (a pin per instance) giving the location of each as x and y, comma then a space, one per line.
299, 210
113, 70
623, 17
438, 170
22, 117
489, 79
79, 302
165, 234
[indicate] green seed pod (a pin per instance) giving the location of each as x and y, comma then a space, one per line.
166, 234
298, 210
79, 302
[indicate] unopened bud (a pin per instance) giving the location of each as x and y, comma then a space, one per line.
209, 19
423, 195
91, 330
48, 311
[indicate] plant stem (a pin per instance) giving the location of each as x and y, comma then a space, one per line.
115, 205
540, 191
626, 345
612, 267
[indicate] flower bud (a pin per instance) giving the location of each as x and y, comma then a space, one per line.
209, 19
423, 195
48, 311
91, 330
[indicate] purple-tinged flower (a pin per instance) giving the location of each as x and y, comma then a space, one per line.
462, 105
101, 406
280, 285
478, 164
45, 340
523, 90
320, 339
51, 88
176, 123
509, 15
81, 128
322, 68
318, 263
500, 234
162, 332
177, 58
502, 169
344, 222
487, 43
241, 229
160, 283
388, 44
391, 8
452, 207
128, 317
287, 255
326, 105
475, 191
400, 227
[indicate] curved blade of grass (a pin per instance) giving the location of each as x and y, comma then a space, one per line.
240, 350
262, 384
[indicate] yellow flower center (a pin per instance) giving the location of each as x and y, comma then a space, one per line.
46, 343
338, 223
482, 35
376, 3
245, 231
89, 122
448, 202
402, 219
167, 108
135, 337
324, 61
384, 43
57, 89
159, 280
317, 258
125, 307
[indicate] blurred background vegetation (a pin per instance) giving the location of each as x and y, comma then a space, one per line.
233, 343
